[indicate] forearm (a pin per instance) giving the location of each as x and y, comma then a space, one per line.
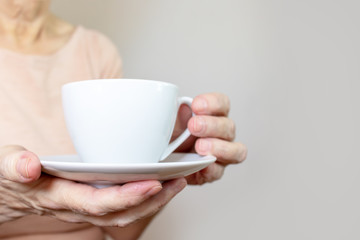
148, 209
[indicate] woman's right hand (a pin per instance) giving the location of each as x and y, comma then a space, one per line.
24, 191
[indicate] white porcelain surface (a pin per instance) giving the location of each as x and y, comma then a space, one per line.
175, 166
122, 120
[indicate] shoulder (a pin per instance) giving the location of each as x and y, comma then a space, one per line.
102, 51
96, 39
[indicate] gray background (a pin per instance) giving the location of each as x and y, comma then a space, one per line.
291, 69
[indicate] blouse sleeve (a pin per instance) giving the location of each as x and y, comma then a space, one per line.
109, 62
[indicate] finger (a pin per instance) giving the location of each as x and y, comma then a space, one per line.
184, 114
87, 200
214, 127
19, 165
225, 152
209, 174
148, 208
215, 104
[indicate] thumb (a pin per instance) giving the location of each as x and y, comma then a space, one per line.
19, 165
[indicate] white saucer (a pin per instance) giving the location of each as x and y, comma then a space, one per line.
175, 166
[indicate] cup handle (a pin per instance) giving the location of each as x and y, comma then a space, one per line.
179, 140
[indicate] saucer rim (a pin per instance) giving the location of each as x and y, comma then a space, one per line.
102, 175
86, 167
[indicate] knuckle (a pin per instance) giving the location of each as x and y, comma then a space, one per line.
92, 207
49, 204
244, 153
129, 203
97, 212
241, 152
232, 152
211, 173
80, 205
87, 209
122, 223
217, 173
93, 210
223, 151
231, 129
199, 178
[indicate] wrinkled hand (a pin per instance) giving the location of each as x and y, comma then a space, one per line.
24, 191
213, 134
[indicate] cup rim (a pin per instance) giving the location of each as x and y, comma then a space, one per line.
93, 81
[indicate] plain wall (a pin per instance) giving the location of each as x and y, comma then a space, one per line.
291, 69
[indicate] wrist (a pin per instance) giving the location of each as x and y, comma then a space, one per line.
12, 206
8, 214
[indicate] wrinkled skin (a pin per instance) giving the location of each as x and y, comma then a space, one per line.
24, 190
212, 133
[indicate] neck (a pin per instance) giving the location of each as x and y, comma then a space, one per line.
23, 22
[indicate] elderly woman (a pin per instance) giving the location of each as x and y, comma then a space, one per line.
38, 54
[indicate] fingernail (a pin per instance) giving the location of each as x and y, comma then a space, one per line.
154, 190
204, 146
200, 104
22, 167
198, 124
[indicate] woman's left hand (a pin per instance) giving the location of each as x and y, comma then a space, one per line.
213, 133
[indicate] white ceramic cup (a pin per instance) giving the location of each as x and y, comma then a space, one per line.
122, 120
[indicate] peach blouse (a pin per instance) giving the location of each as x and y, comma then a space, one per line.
30, 89
31, 110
